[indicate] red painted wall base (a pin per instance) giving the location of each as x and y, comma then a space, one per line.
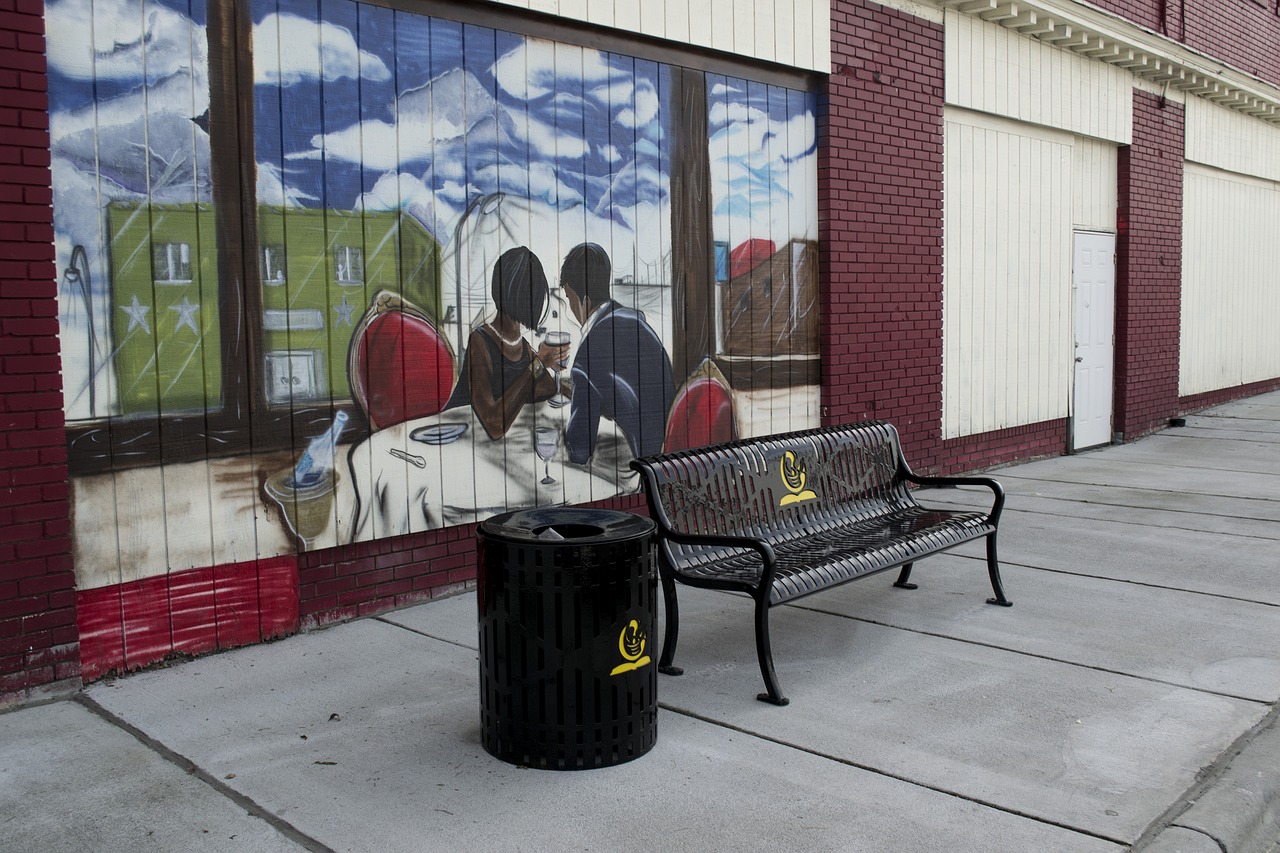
132, 625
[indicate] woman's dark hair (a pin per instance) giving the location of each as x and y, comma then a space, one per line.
519, 286
586, 271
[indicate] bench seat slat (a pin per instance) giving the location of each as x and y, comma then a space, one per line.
820, 559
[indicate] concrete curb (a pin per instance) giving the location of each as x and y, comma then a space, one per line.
1239, 812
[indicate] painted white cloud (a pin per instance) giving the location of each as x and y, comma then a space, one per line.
288, 49
723, 113
400, 191
614, 93
373, 143
545, 140
122, 41
763, 174
537, 68
432, 123
448, 105
644, 108
179, 95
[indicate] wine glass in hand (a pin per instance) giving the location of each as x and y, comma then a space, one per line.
545, 442
559, 342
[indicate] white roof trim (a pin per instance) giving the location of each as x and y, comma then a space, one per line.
1108, 38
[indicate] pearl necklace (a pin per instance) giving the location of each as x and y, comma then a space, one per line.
519, 339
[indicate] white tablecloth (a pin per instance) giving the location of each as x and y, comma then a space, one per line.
400, 485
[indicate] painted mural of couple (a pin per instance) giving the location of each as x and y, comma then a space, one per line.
621, 370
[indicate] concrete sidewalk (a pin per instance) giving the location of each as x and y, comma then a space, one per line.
1128, 699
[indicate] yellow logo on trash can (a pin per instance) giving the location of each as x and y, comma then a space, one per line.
631, 644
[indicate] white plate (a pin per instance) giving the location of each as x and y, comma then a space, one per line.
438, 433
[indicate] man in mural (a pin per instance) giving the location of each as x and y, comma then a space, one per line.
621, 370
500, 371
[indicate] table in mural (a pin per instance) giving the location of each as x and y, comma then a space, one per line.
443, 470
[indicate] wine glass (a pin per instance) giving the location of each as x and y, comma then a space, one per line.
556, 338
545, 442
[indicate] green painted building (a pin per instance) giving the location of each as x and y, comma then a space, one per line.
319, 270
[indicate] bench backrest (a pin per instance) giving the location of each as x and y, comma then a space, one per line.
780, 486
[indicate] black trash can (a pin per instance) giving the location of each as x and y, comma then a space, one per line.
568, 609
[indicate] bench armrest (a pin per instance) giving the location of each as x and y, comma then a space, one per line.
997, 490
669, 532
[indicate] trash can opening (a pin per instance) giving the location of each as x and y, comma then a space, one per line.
567, 531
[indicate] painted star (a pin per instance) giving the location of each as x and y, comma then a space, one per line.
186, 315
137, 315
344, 312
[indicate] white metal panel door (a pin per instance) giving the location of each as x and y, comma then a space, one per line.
1093, 276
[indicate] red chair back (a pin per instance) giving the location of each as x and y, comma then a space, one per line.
702, 412
400, 367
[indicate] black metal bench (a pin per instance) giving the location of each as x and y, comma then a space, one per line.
784, 516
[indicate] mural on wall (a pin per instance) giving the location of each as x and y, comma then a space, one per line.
479, 271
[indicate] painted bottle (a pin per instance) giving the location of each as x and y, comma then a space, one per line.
317, 461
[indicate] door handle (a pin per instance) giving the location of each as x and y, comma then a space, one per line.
1079, 359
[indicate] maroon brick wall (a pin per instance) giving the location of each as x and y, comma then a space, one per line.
880, 209
880, 228
1149, 268
1244, 33
1197, 402
39, 652
342, 583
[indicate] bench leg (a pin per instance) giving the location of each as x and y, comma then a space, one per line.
993, 569
774, 695
673, 626
902, 578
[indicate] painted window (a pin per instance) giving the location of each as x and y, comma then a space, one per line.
171, 263
348, 262
492, 268
273, 264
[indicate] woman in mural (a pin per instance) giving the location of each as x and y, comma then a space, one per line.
500, 370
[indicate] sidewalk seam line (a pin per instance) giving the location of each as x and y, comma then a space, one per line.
422, 633
1035, 655
1130, 581
192, 769
887, 774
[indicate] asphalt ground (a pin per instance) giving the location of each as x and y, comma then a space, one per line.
1128, 700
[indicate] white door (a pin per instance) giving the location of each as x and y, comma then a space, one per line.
1093, 277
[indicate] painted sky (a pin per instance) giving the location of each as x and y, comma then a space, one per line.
432, 114
362, 107
383, 109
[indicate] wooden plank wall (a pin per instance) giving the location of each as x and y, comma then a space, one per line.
1030, 154
1230, 282
1007, 281
790, 32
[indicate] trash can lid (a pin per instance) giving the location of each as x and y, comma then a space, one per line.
572, 526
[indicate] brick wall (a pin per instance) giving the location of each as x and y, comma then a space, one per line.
39, 652
342, 583
880, 231
1244, 33
1148, 268
880, 207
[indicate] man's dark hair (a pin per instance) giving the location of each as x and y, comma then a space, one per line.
586, 272
519, 286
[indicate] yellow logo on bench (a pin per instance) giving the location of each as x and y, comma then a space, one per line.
631, 644
794, 476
